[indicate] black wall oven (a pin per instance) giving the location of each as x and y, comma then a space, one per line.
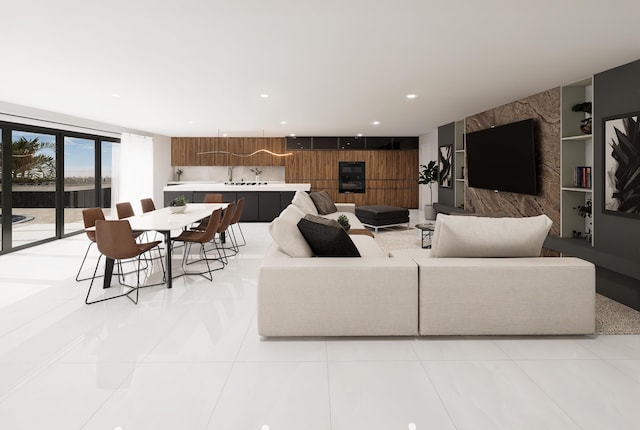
351, 177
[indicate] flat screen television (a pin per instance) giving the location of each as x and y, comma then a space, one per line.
503, 158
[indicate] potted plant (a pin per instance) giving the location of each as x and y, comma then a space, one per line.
344, 222
257, 172
178, 205
427, 176
585, 212
178, 173
585, 107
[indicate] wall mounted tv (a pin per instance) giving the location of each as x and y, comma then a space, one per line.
503, 158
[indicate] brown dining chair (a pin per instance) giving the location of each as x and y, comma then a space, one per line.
222, 233
125, 210
147, 205
213, 198
208, 198
89, 216
114, 239
189, 237
235, 221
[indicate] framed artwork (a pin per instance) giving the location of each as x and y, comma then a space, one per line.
622, 165
444, 166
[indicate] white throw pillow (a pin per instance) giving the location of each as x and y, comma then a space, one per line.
302, 200
470, 236
285, 233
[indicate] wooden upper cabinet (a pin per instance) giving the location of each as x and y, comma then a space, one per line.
223, 151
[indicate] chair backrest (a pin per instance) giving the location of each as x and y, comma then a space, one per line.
212, 226
90, 216
226, 219
147, 205
213, 198
114, 239
125, 210
238, 213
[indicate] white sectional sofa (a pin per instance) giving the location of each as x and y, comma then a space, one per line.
430, 292
334, 296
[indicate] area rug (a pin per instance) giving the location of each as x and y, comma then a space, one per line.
611, 317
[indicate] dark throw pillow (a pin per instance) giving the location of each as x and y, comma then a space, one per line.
326, 240
323, 202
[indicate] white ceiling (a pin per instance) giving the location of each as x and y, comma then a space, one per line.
330, 67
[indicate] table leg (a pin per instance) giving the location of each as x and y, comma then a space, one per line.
167, 245
108, 271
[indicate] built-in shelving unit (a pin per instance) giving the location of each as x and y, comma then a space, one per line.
576, 160
459, 164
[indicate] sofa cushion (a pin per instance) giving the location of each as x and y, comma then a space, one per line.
322, 220
285, 233
327, 241
323, 202
302, 200
470, 236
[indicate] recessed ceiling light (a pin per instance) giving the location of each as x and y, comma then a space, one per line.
359, 134
264, 96
292, 135
115, 95
190, 122
376, 123
283, 122
224, 135
411, 96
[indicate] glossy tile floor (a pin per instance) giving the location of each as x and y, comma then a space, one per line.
190, 358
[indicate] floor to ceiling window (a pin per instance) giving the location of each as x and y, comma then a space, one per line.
79, 180
33, 187
47, 177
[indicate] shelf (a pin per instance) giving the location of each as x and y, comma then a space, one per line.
577, 189
579, 138
460, 151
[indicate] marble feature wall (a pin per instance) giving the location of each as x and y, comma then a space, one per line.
545, 108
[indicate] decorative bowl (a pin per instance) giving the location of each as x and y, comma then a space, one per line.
177, 209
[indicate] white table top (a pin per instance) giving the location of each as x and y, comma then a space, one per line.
164, 220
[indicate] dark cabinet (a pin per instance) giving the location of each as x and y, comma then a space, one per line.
261, 206
251, 211
269, 205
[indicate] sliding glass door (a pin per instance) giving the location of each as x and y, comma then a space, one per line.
79, 180
33, 187
47, 177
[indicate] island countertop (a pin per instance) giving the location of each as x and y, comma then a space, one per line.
222, 187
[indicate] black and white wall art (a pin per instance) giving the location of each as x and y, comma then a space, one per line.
622, 164
444, 166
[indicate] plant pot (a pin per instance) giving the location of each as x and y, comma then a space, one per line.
429, 212
177, 209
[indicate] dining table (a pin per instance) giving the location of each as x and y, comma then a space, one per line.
165, 221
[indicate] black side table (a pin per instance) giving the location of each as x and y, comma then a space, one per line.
427, 233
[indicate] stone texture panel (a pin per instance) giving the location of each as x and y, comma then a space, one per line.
545, 107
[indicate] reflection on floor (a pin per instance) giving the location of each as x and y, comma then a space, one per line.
190, 358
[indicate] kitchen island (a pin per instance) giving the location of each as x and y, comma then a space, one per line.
263, 201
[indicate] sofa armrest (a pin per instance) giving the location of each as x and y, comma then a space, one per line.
346, 207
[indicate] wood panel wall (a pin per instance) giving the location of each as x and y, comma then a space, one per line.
391, 176
184, 151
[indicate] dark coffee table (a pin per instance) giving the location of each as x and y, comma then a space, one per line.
427, 233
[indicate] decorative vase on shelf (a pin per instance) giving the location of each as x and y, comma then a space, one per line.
585, 127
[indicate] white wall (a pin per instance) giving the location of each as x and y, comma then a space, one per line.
428, 152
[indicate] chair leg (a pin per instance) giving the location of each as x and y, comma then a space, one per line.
244, 242
78, 279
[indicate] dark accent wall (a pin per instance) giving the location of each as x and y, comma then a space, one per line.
544, 107
447, 136
616, 91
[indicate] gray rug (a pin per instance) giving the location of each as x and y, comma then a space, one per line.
611, 317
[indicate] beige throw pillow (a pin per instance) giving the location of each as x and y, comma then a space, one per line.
470, 236
323, 202
302, 200
285, 233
